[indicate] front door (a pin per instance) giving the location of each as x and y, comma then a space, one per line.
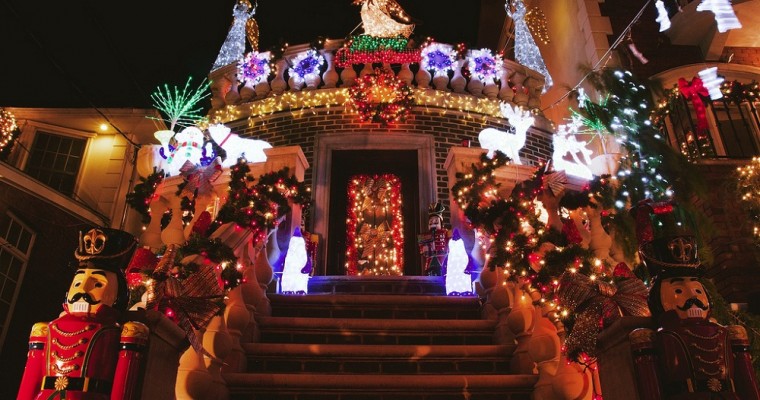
377, 232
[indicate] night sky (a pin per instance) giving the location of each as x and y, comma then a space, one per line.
86, 53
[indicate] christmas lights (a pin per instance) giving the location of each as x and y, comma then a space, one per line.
662, 16
373, 43
565, 142
484, 64
254, 67
345, 58
508, 143
180, 108
724, 14
526, 50
536, 21
438, 58
380, 18
297, 269
748, 189
234, 45
381, 97
235, 147
374, 227
306, 65
459, 267
712, 82
8, 128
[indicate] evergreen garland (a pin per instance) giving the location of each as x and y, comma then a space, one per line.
143, 192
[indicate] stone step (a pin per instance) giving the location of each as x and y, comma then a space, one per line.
406, 285
375, 331
378, 387
375, 306
370, 359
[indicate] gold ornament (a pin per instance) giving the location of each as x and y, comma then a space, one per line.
61, 383
714, 385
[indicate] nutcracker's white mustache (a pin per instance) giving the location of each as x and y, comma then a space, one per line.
83, 296
691, 303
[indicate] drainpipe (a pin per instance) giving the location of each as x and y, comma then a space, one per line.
130, 185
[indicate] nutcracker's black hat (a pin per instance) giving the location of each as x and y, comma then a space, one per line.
110, 250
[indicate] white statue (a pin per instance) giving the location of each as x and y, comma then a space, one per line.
565, 142
295, 273
508, 143
235, 146
189, 148
458, 277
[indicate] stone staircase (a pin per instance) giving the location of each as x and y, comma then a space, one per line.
377, 338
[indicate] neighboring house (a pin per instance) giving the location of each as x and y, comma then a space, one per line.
68, 169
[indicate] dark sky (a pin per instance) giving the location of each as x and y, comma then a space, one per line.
108, 53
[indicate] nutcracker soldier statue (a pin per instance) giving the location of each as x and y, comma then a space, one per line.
689, 356
434, 244
85, 353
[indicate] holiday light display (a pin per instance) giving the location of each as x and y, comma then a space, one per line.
143, 193
536, 21
724, 14
565, 142
234, 46
526, 50
297, 269
306, 65
459, 267
375, 43
662, 16
254, 68
712, 82
7, 127
380, 18
180, 107
345, 58
381, 97
748, 187
235, 147
438, 58
508, 143
375, 226
484, 64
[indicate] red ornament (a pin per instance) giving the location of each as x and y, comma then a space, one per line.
571, 232
202, 224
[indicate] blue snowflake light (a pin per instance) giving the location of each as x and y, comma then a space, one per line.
254, 67
439, 58
484, 64
306, 65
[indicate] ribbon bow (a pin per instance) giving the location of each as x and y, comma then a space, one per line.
694, 91
596, 305
194, 300
555, 182
200, 178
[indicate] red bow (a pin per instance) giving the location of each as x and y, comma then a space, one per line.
694, 91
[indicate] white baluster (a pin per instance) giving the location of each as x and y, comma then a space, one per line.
505, 92
279, 85
218, 343
423, 78
330, 77
475, 87
347, 76
458, 83
406, 75
238, 318
151, 237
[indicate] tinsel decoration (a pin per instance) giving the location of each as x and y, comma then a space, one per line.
144, 193
234, 45
484, 64
8, 131
254, 68
380, 97
306, 65
438, 58
526, 50
374, 226
258, 205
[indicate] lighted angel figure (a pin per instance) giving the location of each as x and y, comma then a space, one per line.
384, 18
251, 150
526, 50
508, 143
233, 47
565, 142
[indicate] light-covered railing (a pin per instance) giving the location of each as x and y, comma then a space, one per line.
515, 84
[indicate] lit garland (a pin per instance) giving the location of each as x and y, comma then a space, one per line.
439, 58
536, 21
254, 67
748, 188
375, 226
306, 65
373, 43
258, 206
381, 97
180, 107
8, 128
484, 64
144, 193
345, 58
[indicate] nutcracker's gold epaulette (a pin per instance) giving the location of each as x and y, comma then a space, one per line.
135, 330
641, 336
737, 332
39, 329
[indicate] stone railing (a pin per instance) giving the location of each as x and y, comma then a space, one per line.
200, 376
522, 318
516, 83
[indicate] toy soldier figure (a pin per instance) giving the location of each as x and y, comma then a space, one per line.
85, 353
434, 245
689, 356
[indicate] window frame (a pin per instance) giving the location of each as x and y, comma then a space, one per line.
24, 257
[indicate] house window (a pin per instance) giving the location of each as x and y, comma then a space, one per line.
16, 241
55, 160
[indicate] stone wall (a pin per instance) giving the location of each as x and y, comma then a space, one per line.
742, 55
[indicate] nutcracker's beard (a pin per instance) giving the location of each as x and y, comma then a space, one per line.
81, 303
694, 308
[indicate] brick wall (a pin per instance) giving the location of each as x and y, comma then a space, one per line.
742, 55
287, 129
